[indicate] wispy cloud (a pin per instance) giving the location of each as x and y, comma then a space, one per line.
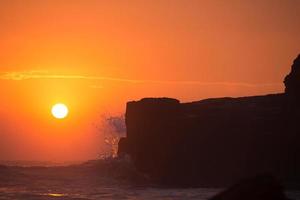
27, 75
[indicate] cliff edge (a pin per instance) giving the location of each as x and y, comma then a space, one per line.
216, 142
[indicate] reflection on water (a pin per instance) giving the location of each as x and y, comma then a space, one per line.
55, 195
108, 192
90, 181
106, 179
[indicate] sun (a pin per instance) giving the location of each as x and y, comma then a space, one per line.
60, 111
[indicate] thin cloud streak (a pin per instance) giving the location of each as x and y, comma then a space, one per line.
27, 75
19, 76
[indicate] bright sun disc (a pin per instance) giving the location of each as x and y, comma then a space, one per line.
60, 111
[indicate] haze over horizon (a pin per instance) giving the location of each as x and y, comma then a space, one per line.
94, 56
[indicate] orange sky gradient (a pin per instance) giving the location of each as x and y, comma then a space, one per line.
96, 55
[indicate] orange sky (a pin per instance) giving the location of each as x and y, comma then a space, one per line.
95, 56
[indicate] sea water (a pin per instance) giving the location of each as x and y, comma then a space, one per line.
103, 179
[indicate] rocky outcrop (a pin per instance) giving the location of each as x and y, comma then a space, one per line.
257, 188
214, 142
292, 80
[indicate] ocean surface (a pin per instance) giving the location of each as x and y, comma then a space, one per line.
102, 179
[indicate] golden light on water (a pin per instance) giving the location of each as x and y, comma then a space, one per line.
55, 195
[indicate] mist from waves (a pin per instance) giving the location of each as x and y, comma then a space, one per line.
110, 129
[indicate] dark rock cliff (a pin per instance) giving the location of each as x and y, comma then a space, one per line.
256, 188
292, 80
216, 142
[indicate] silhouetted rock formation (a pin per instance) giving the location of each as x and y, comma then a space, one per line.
292, 80
215, 142
258, 188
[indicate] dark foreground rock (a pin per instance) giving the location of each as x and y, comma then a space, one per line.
258, 188
216, 142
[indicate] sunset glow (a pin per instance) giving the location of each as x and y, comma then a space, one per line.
96, 55
60, 111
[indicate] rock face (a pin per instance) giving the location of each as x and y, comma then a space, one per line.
292, 80
214, 142
257, 188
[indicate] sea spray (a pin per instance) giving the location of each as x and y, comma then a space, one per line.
111, 128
